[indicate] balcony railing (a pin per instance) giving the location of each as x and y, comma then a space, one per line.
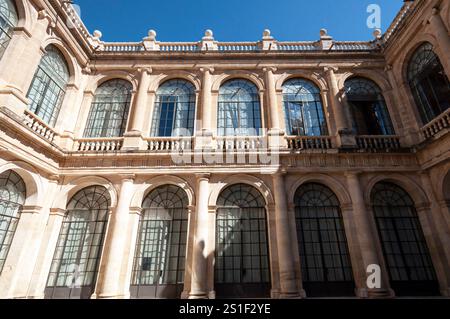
309, 142
439, 124
240, 143
179, 47
38, 126
168, 144
98, 144
374, 143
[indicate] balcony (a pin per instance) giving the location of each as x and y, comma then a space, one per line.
437, 126
241, 143
169, 144
35, 124
299, 143
382, 143
98, 145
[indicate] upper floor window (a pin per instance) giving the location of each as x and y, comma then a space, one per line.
303, 109
174, 112
239, 110
429, 83
369, 111
8, 20
49, 84
109, 111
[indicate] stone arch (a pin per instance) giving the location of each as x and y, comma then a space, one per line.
144, 189
24, 14
444, 186
68, 190
417, 194
315, 78
173, 75
241, 179
374, 76
332, 183
406, 55
72, 64
235, 75
31, 178
111, 75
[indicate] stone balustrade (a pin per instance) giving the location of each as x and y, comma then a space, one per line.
168, 144
98, 145
309, 142
240, 143
442, 122
378, 143
38, 126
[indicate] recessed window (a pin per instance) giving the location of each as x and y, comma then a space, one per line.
370, 115
74, 269
174, 112
239, 112
109, 111
429, 83
8, 21
12, 198
49, 86
303, 109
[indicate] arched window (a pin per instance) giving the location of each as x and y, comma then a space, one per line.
159, 263
303, 108
73, 272
405, 251
239, 110
12, 198
242, 260
49, 84
174, 112
429, 83
368, 107
109, 111
8, 21
325, 261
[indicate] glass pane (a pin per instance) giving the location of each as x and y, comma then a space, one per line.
76, 259
161, 247
322, 243
403, 242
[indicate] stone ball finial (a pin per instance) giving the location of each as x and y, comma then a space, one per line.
152, 34
266, 33
97, 34
209, 33
323, 32
377, 33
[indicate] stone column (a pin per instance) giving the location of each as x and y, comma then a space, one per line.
437, 234
440, 31
286, 258
369, 251
66, 120
275, 133
85, 108
112, 277
345, 139
199, 262
14, 279
130, 246
46, 252
18, 70
204, 136
137, 119
133, 138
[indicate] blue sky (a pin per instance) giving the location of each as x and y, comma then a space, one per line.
233, 20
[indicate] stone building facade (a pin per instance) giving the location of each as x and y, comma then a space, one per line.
213, 170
